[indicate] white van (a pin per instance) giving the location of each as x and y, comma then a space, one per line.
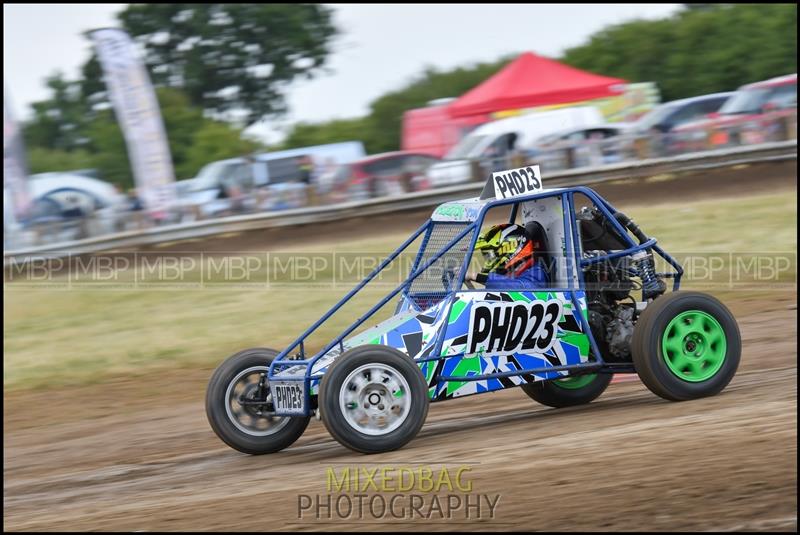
498, 139
278, 172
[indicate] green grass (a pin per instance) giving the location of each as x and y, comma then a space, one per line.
760, 223
83, 334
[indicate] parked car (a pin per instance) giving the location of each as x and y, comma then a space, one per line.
282, 176
654, 130
578, 147
669, 115
752, 115
378, 175
493, 143
209, 193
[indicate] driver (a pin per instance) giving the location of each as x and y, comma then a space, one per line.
510, 264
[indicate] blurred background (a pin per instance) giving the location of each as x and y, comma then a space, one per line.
182, 181
267, 108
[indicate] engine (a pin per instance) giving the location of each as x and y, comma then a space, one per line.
612, 309
610, 283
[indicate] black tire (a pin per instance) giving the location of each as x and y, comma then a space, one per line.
223, 421
648, 354
333, 412
553, 394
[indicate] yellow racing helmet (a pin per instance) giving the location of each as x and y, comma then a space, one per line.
506, 249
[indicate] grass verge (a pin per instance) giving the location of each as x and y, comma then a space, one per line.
62, 334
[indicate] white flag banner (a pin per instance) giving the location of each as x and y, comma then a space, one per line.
15, 171
139, 116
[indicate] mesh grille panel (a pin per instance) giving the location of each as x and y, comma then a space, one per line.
434, 283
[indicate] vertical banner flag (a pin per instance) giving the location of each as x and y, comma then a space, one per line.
15, 172
139, 116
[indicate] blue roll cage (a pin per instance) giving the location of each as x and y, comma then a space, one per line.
572, 253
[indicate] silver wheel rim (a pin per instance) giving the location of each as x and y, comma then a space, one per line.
251, 420
375, 399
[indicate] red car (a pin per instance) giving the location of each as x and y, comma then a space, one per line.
388, 173
754, 114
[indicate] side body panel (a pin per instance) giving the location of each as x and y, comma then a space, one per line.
416, 335
570, 346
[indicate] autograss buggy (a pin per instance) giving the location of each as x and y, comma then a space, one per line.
561, 344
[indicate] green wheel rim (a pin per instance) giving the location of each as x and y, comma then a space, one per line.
694, 346
574, 383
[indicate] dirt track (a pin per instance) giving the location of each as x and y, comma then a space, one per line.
139, 455
628, 461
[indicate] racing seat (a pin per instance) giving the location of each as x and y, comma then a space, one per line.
538, 235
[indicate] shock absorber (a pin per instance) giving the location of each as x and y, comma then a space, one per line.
652, 286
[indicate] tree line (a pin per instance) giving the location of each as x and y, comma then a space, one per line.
703, 48
219, 68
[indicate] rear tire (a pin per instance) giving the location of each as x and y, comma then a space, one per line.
373, 399
686, 345
248, 428
569, 391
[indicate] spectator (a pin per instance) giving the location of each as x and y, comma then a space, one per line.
306, 166
327, 176
134, 203
236, 196
248, 178
136, 208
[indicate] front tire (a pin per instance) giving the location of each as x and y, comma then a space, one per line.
686, 345
569, 391
248, 428
373, 399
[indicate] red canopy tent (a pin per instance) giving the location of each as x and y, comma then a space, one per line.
530, 81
